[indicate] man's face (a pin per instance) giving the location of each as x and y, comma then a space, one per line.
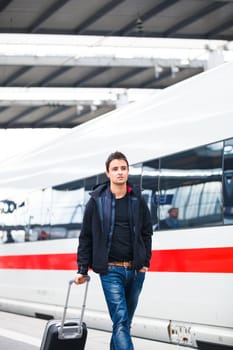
174, 212
118, 171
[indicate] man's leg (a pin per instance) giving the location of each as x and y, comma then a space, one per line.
114, 284
132, 294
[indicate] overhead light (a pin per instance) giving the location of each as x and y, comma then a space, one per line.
174, 71
93, 108
139, 25
185, 62
79, 109
158, 70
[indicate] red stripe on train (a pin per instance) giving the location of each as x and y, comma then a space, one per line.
65, 261
212, 260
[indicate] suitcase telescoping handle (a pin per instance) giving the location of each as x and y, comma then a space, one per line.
79, 327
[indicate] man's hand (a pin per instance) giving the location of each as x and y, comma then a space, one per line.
80, 279
144, 269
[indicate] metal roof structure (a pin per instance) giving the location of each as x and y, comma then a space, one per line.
83, 49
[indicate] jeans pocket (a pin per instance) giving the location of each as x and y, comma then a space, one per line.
139, 277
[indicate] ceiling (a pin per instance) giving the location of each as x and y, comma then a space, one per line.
183, 19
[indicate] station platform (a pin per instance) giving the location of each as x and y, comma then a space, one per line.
19, 332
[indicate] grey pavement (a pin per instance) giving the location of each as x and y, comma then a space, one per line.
18, 332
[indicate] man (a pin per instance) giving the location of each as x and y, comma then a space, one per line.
115, 241
172, 220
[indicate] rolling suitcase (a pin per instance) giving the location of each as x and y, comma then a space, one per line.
66, 334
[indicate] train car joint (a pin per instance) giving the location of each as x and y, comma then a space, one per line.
180, 334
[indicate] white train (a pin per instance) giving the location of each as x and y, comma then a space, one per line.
180, 146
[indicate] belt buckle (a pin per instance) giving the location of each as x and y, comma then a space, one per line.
127, 264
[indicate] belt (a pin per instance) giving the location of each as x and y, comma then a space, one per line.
121, 263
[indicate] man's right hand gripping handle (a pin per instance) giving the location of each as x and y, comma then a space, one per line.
80, 279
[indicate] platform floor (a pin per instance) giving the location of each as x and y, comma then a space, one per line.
18, 332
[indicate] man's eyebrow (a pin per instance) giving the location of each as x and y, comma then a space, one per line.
120, 166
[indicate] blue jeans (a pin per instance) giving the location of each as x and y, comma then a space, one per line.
122, 287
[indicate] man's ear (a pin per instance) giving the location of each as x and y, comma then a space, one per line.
107, 174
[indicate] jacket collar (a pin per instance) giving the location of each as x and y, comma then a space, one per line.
105, 187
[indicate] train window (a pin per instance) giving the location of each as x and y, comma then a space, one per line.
68, 208
135, 174
101, 178
150, 183
228, 182
90, 182
69, 186
13, 236
13, 219
67, 212
38, 206
193, 180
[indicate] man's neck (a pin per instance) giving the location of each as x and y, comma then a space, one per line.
118, 190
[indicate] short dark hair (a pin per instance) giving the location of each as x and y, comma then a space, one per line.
115, 155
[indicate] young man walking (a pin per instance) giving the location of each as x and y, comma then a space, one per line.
115, 241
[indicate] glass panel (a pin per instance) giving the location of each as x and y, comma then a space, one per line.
150, 181
69, 186
192, 182
67, 212
101, 178
228, 182
39, 215
135, 173
13, 213
89, 184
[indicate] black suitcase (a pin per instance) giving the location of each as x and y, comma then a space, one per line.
66, 334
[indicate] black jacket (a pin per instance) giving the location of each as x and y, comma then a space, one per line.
98, 225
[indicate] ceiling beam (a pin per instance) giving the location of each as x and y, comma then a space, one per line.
125, 76
44, 96
97, 15
85, 115
58, 72
19, 72
193, 18
49, 115
98, 61
219, 28
68, 51
4, 4
19, 116
45, 15
91, 75
152, 81
146, 16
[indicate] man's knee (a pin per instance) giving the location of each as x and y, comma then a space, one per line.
121, 326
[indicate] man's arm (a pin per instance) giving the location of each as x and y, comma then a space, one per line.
147, 232
84, 251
